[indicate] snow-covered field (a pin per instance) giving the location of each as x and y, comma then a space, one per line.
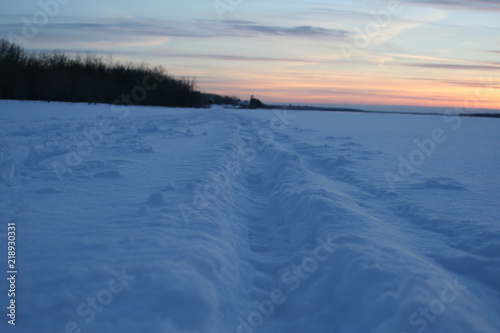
219, 221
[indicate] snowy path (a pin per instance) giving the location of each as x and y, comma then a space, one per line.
231, 222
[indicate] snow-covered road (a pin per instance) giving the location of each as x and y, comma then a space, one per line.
164, 220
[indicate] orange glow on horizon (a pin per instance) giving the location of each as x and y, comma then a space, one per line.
362, 90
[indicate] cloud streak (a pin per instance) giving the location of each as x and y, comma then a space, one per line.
430, 58
237, 58
299, 31
478, 5
193, 29
456, 67
462, 83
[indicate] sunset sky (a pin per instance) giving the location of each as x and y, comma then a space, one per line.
360, 52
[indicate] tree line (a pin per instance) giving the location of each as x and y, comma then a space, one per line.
54, 76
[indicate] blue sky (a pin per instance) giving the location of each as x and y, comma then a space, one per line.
360, 52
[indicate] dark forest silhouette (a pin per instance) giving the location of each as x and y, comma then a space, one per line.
54, 76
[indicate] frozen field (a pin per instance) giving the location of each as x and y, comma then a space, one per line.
218, 221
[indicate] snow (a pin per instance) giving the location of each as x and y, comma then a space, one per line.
188, 220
